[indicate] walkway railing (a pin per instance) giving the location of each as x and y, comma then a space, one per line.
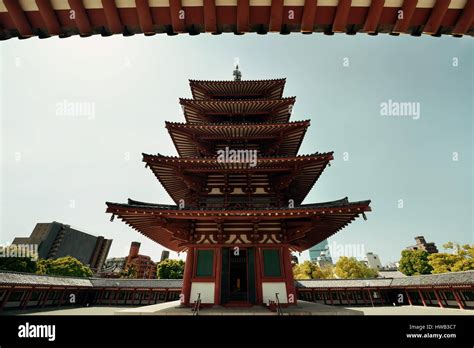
278, 305
197, 305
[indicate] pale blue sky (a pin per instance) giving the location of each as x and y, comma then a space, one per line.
134, 83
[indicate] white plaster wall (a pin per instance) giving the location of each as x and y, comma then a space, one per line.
269, 290
205, 288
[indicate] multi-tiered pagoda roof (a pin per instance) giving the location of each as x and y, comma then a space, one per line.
231, 202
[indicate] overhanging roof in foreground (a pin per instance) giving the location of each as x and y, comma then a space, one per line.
46, 18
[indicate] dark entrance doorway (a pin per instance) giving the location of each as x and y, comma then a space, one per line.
238, 275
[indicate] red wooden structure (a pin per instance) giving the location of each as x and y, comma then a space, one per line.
46, 18
238, 186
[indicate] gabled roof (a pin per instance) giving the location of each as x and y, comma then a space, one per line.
264, 89
192, 139
196, 111
42, 280
179, 175
428, 280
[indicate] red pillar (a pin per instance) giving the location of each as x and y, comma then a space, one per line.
363, 297
188, 273
258, 279
370, 296
45, 299
330, 297
61, 296
290, 281
440, 303
217, 286
355, 297
422, 298
150, 296
458, 299
5, 299
408, 298
381, 296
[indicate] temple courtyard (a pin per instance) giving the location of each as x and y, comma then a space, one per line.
303, 308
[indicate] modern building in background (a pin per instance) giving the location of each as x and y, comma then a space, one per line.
55, 240
373, 261
165, 254
145, 267
421, 244
320, 253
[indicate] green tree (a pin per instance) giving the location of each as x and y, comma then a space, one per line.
461, 259
170, 269
63, 266
18, 264
310, 270
414, 262
350, 268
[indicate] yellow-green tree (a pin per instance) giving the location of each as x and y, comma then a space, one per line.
63, 266
415, 262
170, 269
461, 259
351, 268
310, 270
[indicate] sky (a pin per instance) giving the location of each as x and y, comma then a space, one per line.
60, 164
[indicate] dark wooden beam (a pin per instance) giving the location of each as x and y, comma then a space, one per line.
144, 16
112, 16
177, 16
309, 14
243, 8
408, 9
465, 19
210, 20
18, 17
80, 17
49, 17
276, 16
373, 17
436, 16
342, 14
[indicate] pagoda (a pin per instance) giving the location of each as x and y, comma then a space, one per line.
238, 184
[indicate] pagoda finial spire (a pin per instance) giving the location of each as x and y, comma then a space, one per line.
237, 74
